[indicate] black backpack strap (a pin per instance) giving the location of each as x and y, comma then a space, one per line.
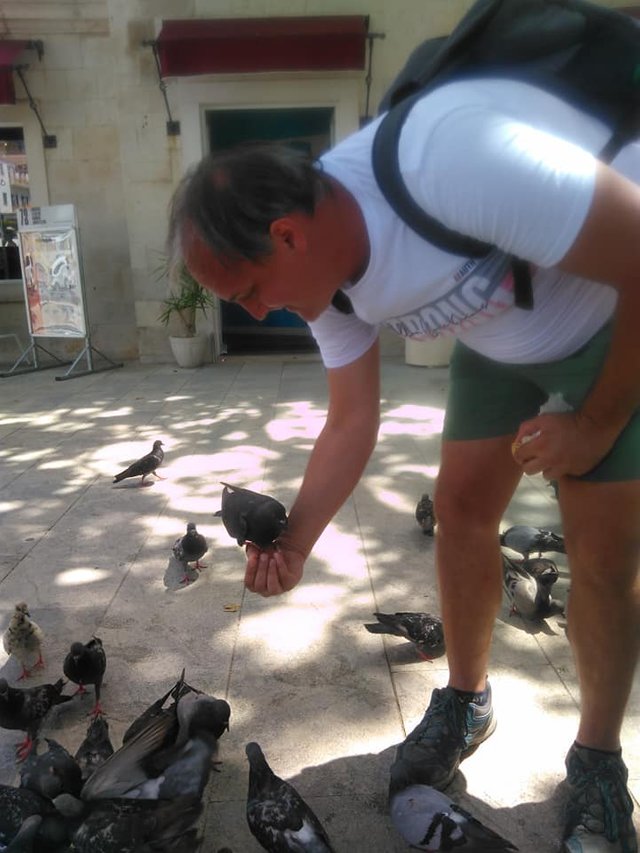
386, 170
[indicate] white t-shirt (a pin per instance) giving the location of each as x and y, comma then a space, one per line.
471, 157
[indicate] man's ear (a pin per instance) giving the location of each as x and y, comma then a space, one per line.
288, 231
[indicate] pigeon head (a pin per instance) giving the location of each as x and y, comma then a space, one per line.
157, 444
191, 527
256, 756
76, 649
23, 607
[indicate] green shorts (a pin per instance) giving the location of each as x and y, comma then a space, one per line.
488, 399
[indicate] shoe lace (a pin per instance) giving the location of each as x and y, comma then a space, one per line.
446, 715
603, 785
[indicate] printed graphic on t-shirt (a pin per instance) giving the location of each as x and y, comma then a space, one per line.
480, 289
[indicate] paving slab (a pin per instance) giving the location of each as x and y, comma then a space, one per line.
327, 700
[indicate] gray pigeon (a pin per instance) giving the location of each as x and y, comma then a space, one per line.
532, 540
157, 708
51, 773
170, 756
425, 515
131, 826
144, 466
278, 817
86, 663
429, 820
95, 748
189, 548
421, 629
251, 517
529, 596
25, 709
23, 639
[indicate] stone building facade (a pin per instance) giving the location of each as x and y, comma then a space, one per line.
96, 89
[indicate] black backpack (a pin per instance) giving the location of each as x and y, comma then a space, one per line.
584, 53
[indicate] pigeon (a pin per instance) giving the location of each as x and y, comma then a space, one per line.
144, 466
85, 664
251, 517
529, 596
131, 826
421, 629
179, 689
425, 516
278, 817
531, 540
25, 709
17, 806
95, 748
189, 548
171, 756
23, 639
429, 820
24, 840
51, 773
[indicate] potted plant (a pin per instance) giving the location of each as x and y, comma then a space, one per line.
180, 312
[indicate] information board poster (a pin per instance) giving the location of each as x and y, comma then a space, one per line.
51, 271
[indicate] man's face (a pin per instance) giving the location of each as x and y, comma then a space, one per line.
283, 279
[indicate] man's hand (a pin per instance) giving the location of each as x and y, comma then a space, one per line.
273, 570
557, 445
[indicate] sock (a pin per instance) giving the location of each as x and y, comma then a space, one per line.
469, 696
598, 751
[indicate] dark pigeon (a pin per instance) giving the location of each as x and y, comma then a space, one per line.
95, 748
171, 756
251, 517
528, 596
25, 709
278, 817
532, 540
131, 826
189, 548
18, 805
144, 466
84, 664
421, 629
26, 838
425, 515
429, 820
51, 773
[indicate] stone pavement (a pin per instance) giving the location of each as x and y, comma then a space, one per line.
326, 700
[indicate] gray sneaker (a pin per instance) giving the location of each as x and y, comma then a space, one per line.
452, 728
598, 813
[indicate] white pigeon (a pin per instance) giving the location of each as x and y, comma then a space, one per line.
529, 596
23, 639
429, 820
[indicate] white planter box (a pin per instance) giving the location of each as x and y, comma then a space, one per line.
432, 353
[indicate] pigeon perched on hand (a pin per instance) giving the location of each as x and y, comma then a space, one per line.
85, 663
131, 826
531, 540
189, 548
23, 639
429, 820
421, 629
251, 517
144, 466
51, 773
95, 748
24, 709
278, 817
425, 515
529, 596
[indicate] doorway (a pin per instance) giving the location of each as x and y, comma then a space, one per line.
308, 128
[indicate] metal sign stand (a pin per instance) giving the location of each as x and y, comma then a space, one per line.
54, 290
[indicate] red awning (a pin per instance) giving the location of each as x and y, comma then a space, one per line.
228, 45
10, 50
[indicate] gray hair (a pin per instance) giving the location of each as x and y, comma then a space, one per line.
231, 198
